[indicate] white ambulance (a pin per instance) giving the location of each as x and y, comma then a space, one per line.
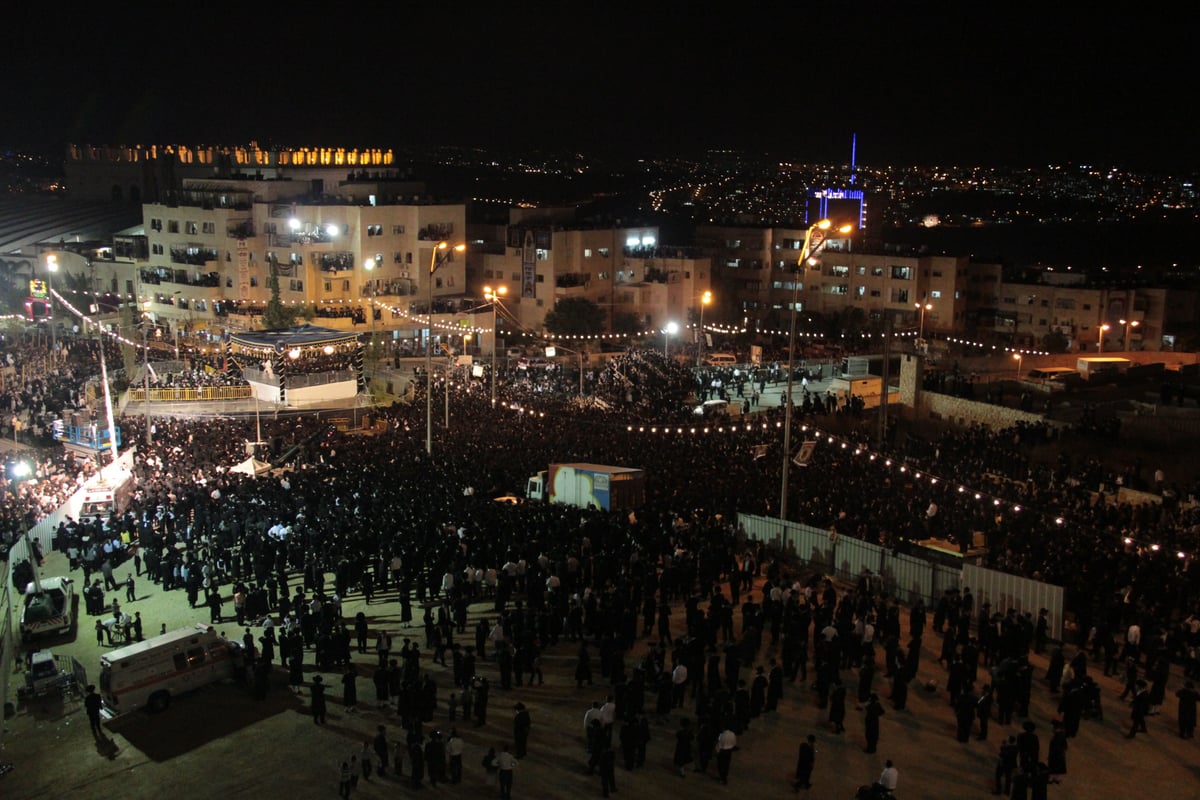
148, 674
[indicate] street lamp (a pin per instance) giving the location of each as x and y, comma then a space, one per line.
51, 268
441, 252
672, 327
1017, 357
493, 296
1129, 325
807, 253
922, 307
1100, 341
705, 299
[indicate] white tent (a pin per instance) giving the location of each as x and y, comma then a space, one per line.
252, 466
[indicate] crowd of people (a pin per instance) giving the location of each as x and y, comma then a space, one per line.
604, 586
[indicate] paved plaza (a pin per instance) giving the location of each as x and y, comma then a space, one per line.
219, 742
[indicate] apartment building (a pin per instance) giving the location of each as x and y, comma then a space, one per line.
545, 255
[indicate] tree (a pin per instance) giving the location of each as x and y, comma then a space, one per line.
575, 316
1055, 342
277, 316
627, 322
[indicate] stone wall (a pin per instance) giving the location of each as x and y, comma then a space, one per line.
920, 404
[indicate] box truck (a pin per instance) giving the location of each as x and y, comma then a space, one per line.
588, 486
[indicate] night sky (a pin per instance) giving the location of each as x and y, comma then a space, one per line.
964, 85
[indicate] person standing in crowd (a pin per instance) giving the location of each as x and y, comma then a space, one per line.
521, 725
889, 779
317, 701
873, 712
806, 759
1187, 709
683, 746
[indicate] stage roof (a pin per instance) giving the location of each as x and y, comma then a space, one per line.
286, 339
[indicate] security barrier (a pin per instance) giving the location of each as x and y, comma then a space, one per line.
907, 576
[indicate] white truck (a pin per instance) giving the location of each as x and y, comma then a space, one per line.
49, 607
148, 674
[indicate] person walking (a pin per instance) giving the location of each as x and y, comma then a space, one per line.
505, 764
871, 722
382, 749
91, 703
726, 744
683, 746
345, 776
1139, 710
1056, 753
1006, 765
454, 751
608, 771
805, 760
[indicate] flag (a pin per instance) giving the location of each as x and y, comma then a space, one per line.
805, 453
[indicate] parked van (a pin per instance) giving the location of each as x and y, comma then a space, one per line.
1049, 374
148, 674
721, 360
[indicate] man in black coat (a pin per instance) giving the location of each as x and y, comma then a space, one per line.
805, 760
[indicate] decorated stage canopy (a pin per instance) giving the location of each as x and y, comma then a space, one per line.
304, 365
281, 341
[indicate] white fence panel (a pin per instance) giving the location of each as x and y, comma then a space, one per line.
1005, 591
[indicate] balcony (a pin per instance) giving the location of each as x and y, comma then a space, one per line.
240, 230
194, 256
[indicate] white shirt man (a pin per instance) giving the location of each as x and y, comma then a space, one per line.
591, 714
608, 715
1133, 636
890, 777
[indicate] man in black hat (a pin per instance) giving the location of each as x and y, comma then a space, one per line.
318, 700
1028, 747
521, 725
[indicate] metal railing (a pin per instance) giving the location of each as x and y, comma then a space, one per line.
201, 394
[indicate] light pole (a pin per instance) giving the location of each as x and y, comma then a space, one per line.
493, 296
1100, 340
146, 381
441, 251
1017, 357
922, 307
705, 299
51, 268
672, 327
1129, 324
805, 255
369, 265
